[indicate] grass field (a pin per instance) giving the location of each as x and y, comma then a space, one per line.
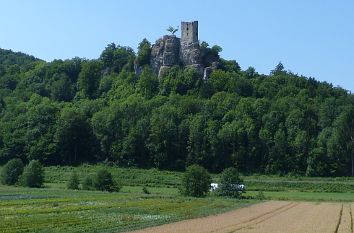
56, 209
60, 210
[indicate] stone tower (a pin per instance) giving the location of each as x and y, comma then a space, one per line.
189, 31
190, 54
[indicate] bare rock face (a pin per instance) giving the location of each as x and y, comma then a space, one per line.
163, 70
190, 54
168, 51
207, 72
171, 50
165, 53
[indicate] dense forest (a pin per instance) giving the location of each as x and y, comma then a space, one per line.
87, 111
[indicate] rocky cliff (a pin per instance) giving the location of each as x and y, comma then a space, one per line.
168, 51
165, 54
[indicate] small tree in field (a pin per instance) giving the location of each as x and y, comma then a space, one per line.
33, 175
196, 181
230, 183
11, 171
87, 183
104, 181
73, 182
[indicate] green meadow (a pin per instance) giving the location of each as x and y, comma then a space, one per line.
54, 208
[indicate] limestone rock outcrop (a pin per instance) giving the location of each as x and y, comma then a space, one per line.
165, 53
171, 50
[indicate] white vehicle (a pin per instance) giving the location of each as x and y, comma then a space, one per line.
239, 187
214, 186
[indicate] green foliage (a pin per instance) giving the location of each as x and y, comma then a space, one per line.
33, 175
279, 69
83, 211
260, 196
144, 53
103, 181
115, 58
89, 78
73, 182
209, 55
127, 176
76, 111
229, 183
74, 137
87, 183
146, 190
148, 83
196, 181
11, 172
172, 30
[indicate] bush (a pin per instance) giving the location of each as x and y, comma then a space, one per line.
73, 182
11, 171
146, 190
33, 175
260, 196
104, 181
196, 181
87, 183
230, 182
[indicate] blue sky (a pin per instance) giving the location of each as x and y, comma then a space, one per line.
314, 38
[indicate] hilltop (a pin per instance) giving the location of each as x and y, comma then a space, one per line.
121, 109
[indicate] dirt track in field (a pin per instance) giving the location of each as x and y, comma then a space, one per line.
272, 216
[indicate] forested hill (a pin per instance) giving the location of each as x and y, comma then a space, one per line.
78, 110
15, 60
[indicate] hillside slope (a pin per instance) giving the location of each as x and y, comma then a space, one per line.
75, 111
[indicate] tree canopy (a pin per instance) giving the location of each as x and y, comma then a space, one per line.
78, 110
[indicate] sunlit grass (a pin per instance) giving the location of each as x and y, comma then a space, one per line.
59, 210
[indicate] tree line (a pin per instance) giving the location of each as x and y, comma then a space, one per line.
68, 112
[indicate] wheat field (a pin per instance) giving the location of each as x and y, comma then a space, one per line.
272, 216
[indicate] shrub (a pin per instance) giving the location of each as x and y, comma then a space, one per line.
230, 182
87, 183
73, 182
33, 175
146, 190
104, 181
11, 171
196, 181
260, 196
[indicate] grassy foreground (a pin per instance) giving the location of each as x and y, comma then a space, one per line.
60, 210
56, 209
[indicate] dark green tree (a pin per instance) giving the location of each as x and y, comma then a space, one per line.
73, 182
144, 52
33, 175
196, 181
89, 78
87, 183
11, 172
103, 181
279, 69
230, 182
74, 138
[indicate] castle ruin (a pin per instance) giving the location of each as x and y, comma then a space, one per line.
171, 50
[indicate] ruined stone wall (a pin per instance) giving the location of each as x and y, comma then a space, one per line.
189, 32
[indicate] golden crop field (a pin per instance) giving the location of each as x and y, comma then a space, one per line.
272, 216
